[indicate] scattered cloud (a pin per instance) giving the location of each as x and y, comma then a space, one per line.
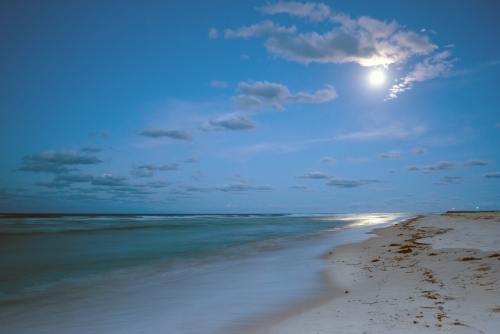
109, 180
231, 122
302, 188
158, 184
341, 183
328, 160
147, 170
174, 166
391, 171
432, 67
495, 175
190, 161
390, 155
53, 184
263, 94
213, 33
218, 84
365, 41
448, 165
447, 180
476, 162
55, 162
498, 125
312, 11
419, 150
197, 176
232, 188
314, 175
376, 134
91, 149
74, 178
153, 132
102, 134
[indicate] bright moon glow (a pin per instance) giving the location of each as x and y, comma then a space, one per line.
377, 77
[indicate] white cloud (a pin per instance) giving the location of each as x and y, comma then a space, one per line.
312, 11
213, 33
495, 175
218, 84
261, 94
365, 41
260, 29
432, 67
376, 134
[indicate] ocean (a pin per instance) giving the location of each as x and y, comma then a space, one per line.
165, 273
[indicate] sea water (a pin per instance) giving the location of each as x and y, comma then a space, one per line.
164, 273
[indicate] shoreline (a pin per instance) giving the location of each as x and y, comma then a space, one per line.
433, 272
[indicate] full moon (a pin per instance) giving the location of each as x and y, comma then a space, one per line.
377, 77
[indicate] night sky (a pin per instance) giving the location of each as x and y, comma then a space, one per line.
249, 106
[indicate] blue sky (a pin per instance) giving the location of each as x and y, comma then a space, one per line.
249, 106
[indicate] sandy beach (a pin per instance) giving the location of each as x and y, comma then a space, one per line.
431, 273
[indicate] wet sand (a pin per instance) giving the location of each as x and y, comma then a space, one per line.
435, 272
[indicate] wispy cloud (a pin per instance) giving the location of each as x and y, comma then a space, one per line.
365, 41
213, 33
448, 165
495, 175
56, 162
147, 170
448, 180
327, 160
302, 188
419, 150
336, 182
231, 188
109, 180
91, 149
390, 155
376, 134
218, 84
153, 132
314, 175
342, 183
102, 134
263, 94
231, 122
312, 11
432, 67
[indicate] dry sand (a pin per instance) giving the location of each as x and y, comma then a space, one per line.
431, 273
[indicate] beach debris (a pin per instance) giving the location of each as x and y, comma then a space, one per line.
470, 258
